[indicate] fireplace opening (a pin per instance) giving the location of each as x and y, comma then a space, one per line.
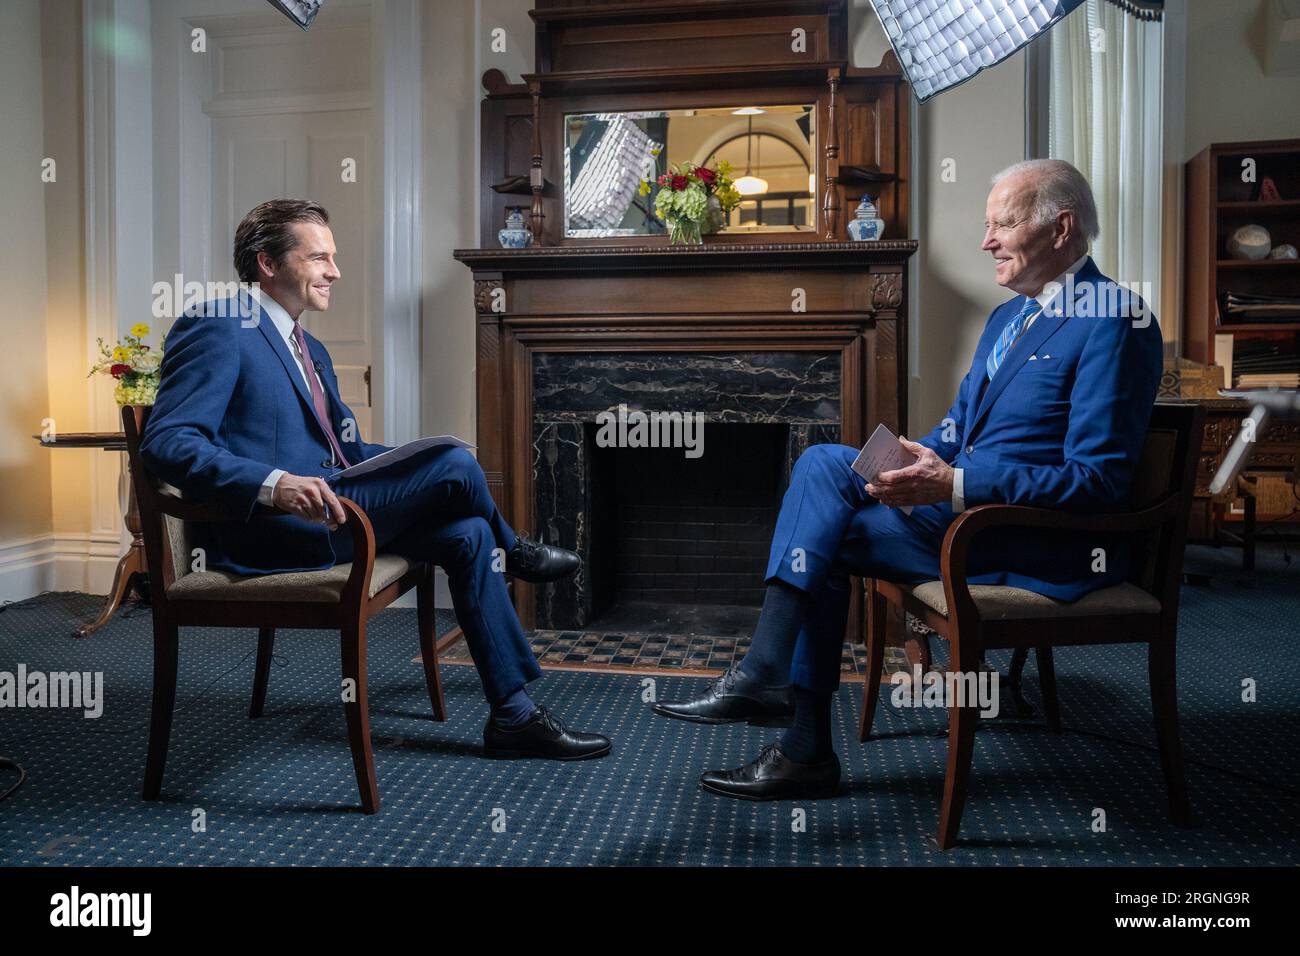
681, 544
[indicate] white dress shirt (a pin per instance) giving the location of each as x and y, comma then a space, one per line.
1045, 297
284, 325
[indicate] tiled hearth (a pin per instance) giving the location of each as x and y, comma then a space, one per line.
659, 654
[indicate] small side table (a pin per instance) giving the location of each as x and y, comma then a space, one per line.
131, 569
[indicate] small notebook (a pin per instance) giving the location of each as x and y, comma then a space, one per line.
882, 452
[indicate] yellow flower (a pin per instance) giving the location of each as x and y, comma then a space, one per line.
120, 354
655, 151
644, 189
139, 330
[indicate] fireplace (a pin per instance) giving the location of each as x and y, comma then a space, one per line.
669, 525
569, 337
684, 530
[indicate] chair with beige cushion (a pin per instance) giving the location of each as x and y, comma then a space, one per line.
977, 618
342, 598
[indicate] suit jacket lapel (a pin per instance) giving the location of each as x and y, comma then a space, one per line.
1044, 325
281, 349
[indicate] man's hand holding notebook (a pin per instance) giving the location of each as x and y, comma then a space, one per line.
883, 452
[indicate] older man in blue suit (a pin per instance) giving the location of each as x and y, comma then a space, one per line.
249, 417
1053, 413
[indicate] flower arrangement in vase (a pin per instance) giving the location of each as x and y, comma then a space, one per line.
694, 200
136, 366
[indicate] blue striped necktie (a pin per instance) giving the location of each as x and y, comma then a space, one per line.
1009, 336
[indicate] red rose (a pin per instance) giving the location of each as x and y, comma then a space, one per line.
679, 183
118, 370
707, 176
664, 180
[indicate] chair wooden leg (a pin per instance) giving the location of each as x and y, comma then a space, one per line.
1047, 681
166, 651
1014, 673
265, 646
425, 607
961, 747
357, 710
917, 647
1164, 701
877, 612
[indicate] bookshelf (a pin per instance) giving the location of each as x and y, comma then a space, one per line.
1219, 201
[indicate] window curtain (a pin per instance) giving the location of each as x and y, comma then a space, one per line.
1104, 116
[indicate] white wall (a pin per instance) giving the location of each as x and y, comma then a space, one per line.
25, 510
511, 17
1229, 97
450, 217
975, 130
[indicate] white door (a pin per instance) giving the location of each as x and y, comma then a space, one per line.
308, 156
290, 117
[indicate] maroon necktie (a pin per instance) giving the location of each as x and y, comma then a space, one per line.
317, 396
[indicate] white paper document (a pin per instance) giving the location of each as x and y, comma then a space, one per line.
400, 453
882, 452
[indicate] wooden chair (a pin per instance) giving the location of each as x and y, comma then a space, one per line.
341, 598
977, 618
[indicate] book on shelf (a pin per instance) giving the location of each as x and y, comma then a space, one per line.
1251, 307
1269, 380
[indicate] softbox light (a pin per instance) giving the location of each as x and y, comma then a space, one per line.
301, 12
941, 43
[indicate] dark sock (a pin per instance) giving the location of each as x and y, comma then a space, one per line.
809, 739
771, 650
514, 710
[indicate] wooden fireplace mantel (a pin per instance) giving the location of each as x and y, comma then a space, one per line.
714, 254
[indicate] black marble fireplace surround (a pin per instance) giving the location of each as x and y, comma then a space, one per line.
653, 526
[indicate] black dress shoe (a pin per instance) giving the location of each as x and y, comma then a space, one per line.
538, 563
774, 776
732, 698
542, 735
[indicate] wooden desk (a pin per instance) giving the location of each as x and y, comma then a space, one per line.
1277, 452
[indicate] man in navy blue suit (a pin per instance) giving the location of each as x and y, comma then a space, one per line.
1053, 413
248, 417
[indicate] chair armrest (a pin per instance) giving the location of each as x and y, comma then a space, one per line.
357, 588
961, 535
363, 534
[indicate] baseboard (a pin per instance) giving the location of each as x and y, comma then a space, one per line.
26, 567
58, 562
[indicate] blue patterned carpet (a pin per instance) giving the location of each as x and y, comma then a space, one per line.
280, 790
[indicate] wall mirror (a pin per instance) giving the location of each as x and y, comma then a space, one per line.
771, 150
